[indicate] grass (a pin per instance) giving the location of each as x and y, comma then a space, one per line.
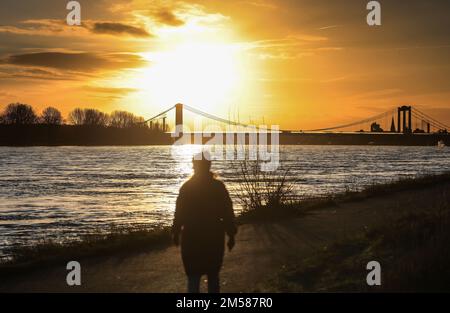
116, 241
288, 208
378, 189
411, 248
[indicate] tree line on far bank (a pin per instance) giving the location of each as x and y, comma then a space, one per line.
24, 114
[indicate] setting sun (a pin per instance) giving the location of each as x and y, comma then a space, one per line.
202, 74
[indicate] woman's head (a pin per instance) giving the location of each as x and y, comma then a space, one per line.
201, 163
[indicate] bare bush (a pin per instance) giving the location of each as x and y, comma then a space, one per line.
258, 189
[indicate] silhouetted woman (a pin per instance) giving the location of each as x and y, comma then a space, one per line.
203, 214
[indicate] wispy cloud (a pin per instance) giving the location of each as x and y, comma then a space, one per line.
111, 28
291, 47
166, 17
42, 27
261, 4
109, 90
18, 72
288, 41
329, 27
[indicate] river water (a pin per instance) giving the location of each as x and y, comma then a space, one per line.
61, 193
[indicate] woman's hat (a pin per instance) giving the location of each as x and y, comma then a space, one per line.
203, 157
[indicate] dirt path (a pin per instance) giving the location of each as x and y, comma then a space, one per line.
261, 250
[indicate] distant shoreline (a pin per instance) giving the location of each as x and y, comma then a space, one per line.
70, 135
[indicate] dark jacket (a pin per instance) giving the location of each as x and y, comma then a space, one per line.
203, 214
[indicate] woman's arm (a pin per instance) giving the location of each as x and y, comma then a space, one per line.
228, 216
178, 218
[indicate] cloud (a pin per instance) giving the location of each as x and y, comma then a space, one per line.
119, 29
109, 93
163, 12
288, 41
329, 27
53, 27
290, 47
176, 14
261, 4
110, 90
167, 17
16, 72
81, 62
42, 27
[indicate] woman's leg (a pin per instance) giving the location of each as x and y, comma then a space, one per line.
194, 283
213, 283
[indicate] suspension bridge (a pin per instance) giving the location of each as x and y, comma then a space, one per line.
403, 120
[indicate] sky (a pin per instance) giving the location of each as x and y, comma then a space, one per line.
299, 64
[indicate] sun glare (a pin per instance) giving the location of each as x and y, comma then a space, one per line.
200, 74
202, 64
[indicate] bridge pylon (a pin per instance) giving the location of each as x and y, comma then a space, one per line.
179, 115
407, 127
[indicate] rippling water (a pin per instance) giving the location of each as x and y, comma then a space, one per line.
64, 192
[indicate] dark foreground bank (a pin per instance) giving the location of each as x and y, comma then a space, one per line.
324, 248
412, 248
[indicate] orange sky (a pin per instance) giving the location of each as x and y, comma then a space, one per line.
297, 63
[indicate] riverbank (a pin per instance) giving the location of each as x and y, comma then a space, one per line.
282, 246
72, 135
79, 135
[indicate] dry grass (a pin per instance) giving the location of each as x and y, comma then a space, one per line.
268, 197
412, 250
115, 241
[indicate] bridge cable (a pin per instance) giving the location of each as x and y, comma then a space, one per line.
370, 119
219, 119
429, 119
156, 116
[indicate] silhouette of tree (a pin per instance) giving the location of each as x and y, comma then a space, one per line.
51, 116
76, 117
89, 117
93, 117
124, 119
139, 122
19, 114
